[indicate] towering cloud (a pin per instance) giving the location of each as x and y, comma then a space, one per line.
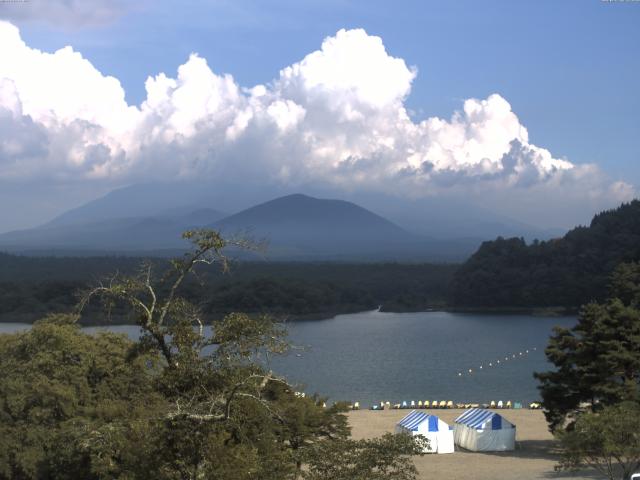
337, 118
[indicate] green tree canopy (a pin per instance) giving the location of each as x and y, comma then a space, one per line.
561, 272
608, 441
384, 458
59, 387
598, 360
188, 401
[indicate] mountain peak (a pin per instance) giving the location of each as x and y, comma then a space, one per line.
296, 196
300, 223
297, 226
305, 213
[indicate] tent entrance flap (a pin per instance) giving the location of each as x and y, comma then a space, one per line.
433, 423
496, 422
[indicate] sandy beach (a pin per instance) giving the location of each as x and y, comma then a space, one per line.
534, 458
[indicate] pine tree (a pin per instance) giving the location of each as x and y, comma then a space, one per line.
598, 360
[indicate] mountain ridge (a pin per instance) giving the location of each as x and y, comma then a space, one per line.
298, 226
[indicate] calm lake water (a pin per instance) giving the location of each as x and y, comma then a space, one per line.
373, 356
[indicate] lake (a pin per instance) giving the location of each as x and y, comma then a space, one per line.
374, 356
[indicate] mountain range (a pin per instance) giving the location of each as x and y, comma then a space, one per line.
296, 227
149, 219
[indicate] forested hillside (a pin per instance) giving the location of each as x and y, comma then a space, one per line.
567, 272
32, 286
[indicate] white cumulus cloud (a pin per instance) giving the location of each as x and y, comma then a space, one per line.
336, 118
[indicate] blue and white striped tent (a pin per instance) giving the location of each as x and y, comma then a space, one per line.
482, 430
439, 433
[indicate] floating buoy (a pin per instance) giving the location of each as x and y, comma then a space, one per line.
497, 362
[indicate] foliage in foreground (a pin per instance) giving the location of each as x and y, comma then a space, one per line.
608, 441
61, 390
381, 458
592, 399
186, 401
597, 361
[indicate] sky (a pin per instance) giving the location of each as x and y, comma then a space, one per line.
526, 108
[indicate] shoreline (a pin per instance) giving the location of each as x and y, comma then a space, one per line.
30, 318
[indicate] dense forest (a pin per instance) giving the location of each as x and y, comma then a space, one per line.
565, 272
33, 286
502, 274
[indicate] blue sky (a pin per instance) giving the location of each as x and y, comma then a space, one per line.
569, 71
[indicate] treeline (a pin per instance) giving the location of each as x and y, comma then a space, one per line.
566, 272
502, 274
311, 288
31, 287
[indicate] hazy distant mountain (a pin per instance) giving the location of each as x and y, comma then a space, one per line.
77, 235
434, 217
139, 201
296, 227
302, 227
145, 217
446, 218
159, 199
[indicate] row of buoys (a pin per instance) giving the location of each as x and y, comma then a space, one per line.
500, 361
